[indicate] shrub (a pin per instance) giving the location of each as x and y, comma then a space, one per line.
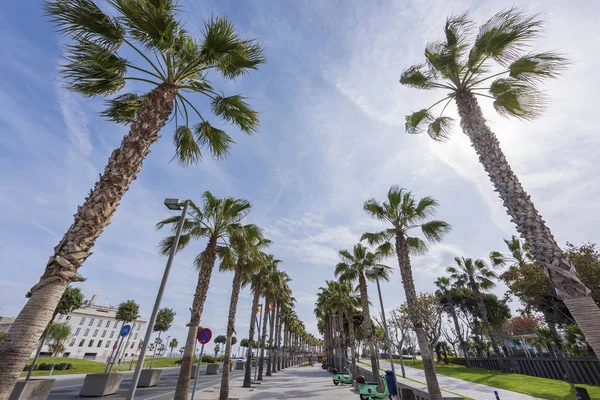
220, 358
69, 365
43, 366
208, 359
178, 362
61, 367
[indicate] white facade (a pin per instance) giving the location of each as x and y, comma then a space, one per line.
95, 331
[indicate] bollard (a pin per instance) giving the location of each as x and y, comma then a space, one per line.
497, 395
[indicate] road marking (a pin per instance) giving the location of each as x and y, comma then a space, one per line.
64, 387
156, 397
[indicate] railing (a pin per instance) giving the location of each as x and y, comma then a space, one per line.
581, 370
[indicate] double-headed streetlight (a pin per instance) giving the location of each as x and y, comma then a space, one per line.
377, 272
175, 205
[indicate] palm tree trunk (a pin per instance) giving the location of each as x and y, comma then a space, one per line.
263, 339
433, 387
253, 319
183, 380
341, 342
271, 330
529, 222
285, 347
277, 345
485, 318
463, 344
233, 302
364, 297
350, 317
75, 246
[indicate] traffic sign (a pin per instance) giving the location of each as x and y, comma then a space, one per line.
114, 346
204, 336
125, 330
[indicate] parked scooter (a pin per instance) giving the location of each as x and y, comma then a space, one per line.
341, 378
324, 365
369, 391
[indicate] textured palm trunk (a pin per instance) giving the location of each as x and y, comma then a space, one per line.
433, 387
183, 380
276, 345
263, 339
75, 247
342, 356
485, 318
528, 221
285, 348
233, 302
271, 330
364, 298
350, 317
463, 344
253, 320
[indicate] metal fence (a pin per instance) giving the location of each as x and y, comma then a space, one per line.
581, 370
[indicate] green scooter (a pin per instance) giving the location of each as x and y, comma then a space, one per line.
369, 391
341, 378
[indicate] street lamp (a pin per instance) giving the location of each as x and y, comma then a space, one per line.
172, 204
377, 272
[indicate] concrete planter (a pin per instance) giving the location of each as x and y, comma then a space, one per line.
149, 377
239, 365
98, 385
212, 369
34, 389
194, 371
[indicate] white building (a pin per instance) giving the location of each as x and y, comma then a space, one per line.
5, 323
95, 331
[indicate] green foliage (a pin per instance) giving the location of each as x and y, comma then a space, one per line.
220, 339
2, 335
70, 365
123, 108
71, 299
58, 334
233, 340
128, 311
164, 320
43, 366
576, 345
244, 343
586, 259
208, 359
61, 367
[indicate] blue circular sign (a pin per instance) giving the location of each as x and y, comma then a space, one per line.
204, 336
125, 330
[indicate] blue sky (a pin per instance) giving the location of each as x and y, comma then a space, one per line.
331, 136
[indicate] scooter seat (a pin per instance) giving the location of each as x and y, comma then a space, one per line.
371, 383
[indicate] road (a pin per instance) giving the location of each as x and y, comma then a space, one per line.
65, 389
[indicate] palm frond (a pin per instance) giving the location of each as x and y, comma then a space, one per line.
92, 69
415, 121
83, 20
168, 221
497, 258
439, 128
215, 140
435, 231
443, 60
418, 76
166, 244
123, 109
517, 99
375, 238
416, 246
457, 30
374, 209
235, 110
532, 68
187, 151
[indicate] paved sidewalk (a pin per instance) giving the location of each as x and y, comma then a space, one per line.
292, 383
464, 388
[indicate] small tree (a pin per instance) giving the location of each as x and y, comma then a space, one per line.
172, 344
58, 334
218, 340
164, 320
523, 324
244, 343
128, 311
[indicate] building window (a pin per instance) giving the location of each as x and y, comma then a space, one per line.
86, 332
107, 345
68, 317
91, 343
135, 336
81, 343
82, 321
139, 326
116, 322
132, 343
91, 322
112, 333
77, 332
72, 342
95, 332
99, 343
99, 323
60, 316
104, 333
107, 324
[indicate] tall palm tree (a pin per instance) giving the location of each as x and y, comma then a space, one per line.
351, 269
477, 276
268, 290
348, 298
462, 68
95, 66
238, 257
285, 302
402, 213
280, 289
255, 279
217, 220
446, 293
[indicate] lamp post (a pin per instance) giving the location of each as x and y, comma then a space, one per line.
376, 272
172, 204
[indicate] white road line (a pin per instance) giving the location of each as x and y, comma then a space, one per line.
63, 387
160, 395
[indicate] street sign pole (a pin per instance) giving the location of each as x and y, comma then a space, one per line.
197, 371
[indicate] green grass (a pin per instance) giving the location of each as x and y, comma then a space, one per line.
87, 366
550, 389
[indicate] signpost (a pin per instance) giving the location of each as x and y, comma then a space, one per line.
125, 329
204, 336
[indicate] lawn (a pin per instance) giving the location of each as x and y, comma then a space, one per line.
550, 389
87, 366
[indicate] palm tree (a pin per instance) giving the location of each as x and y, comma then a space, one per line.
95, 66
269, 287
285, 302
217, 220
280, 289
446, 294
464, 73
352, 268
172, 344
238, 257
403, 213
476, 275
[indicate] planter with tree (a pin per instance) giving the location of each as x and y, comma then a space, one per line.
164, 319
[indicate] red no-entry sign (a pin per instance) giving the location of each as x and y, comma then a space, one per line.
204, 336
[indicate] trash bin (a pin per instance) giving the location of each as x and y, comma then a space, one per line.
390, 378
582, 393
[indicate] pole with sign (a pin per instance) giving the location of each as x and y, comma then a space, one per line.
125, 329
203, 337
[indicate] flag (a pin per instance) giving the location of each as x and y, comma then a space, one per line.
270, 306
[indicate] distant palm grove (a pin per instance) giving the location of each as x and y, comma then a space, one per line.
153, 73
